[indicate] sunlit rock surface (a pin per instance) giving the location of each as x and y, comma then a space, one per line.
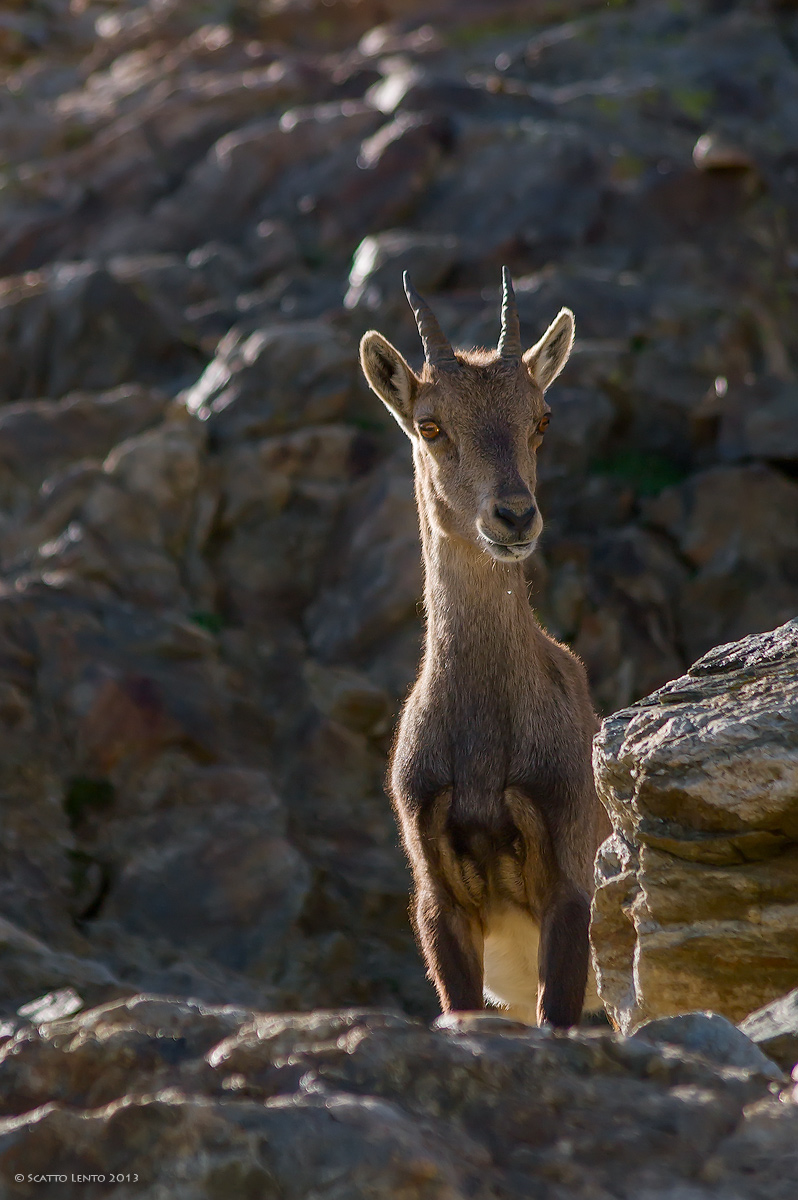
697, 903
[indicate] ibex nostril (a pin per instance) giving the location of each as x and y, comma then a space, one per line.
515, 521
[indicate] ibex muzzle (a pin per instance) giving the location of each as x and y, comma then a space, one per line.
491, 769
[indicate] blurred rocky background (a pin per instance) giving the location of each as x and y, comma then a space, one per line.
210, 569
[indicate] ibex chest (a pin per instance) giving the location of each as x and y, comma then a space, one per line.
479, 735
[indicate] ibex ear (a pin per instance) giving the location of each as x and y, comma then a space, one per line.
548, 356
390, 377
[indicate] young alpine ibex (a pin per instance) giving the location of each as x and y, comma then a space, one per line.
491, 769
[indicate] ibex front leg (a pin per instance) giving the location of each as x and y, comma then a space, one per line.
445, 915
452, 948
564, 956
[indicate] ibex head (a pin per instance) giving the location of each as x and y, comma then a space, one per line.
476, 419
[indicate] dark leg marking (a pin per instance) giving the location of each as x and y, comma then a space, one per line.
451, 952
564, 957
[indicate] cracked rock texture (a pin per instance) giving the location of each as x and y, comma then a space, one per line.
697, 903
200, 1101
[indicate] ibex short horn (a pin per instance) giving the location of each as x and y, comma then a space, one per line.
490, 774
510, 339
437, 350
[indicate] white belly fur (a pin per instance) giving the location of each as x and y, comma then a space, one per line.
510, 976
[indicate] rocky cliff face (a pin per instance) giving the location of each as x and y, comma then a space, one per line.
697, 905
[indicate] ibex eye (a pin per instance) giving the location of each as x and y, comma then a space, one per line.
543, 423
429, 429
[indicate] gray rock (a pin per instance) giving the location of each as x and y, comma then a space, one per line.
281, 503
760, 423
369, 1103
538, 182
224, 191
230, 891
713, 1037
32, 969
273, 380
270, 247
697, 890
410, 88
376, 582
376, 274
738, 527
74, 326
774, 1028
624, 629
38, 437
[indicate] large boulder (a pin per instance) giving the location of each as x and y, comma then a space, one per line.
697, 898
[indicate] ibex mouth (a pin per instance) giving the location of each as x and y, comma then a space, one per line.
511, 552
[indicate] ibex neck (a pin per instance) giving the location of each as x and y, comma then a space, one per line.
477, 608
